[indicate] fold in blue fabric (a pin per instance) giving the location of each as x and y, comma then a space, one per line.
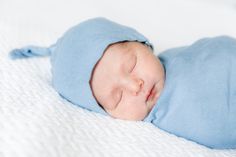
199, 97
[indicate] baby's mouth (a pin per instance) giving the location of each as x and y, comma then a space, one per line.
151, 96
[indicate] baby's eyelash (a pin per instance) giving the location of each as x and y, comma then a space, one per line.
120, 97
134, 64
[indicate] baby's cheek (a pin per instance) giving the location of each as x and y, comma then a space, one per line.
134, 111
110, 104
138, 114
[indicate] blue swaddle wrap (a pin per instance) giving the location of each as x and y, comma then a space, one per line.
76, 53
199, 97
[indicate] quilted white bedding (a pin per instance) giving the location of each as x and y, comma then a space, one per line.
36, 122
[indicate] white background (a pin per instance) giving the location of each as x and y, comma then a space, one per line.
167, 23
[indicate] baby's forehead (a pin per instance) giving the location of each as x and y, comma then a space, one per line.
127, 47
120, 53
119, 47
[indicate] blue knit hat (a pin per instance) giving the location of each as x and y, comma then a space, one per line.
75, 54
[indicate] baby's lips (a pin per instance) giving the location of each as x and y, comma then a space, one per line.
152, 97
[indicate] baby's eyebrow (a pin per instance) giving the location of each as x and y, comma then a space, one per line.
128, 58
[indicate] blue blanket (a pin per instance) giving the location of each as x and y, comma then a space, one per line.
199, 98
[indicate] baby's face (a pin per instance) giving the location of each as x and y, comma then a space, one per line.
128, 80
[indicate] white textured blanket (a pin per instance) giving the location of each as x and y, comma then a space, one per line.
36, 122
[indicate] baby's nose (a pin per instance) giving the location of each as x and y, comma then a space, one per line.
134, 85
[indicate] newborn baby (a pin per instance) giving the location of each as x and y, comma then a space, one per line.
128, 80
110, 69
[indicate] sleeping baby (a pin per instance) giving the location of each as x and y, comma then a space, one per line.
111, 69
127, 80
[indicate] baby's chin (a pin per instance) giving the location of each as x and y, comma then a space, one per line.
131, 116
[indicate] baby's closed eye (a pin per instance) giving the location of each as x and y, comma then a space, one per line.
130, 63
117, 96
